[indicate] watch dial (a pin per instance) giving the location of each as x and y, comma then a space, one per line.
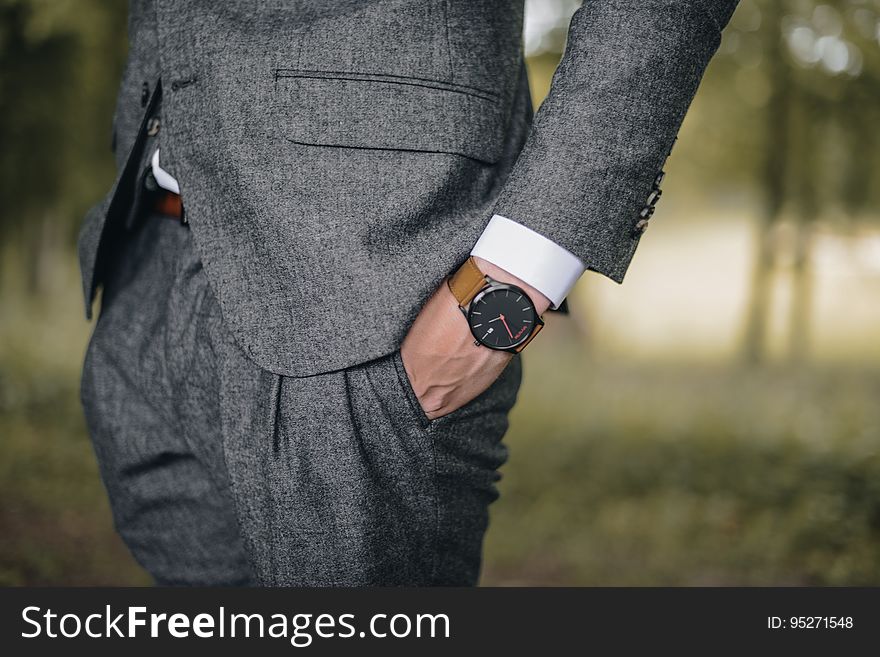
502, 317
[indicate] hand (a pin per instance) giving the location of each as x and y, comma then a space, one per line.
445, 368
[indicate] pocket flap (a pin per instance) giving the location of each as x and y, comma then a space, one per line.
384, 112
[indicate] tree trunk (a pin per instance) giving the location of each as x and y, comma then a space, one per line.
775, 167
807, 180
754, 348
801, 294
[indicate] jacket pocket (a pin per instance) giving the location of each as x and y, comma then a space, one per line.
388, 112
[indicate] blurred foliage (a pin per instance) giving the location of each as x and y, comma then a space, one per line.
688, 475
620, 473
60, 63
792, 100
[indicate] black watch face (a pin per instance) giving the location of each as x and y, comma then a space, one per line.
502, 317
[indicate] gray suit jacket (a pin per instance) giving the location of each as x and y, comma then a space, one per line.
338, 158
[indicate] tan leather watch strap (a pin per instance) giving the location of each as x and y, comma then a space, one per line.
466, 282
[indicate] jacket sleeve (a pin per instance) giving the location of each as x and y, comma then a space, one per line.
599, 140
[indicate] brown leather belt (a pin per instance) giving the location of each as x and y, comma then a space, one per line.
169, 204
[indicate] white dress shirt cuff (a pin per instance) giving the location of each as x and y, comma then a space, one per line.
164, 179
531, 257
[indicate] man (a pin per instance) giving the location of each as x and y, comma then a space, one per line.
299, 376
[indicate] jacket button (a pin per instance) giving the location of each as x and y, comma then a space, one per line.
659, 179
654, 197
647, 212
642, 226
153, 127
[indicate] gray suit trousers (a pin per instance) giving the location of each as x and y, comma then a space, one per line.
223, 473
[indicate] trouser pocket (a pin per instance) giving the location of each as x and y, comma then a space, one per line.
464, 450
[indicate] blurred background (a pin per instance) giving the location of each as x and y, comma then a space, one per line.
715, 420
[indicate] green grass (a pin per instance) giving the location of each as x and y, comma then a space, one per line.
620, 473
671, 475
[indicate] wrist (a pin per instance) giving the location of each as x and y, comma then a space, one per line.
541, 302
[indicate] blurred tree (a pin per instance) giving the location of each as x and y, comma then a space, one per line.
60, 62
833, 47
789, 113
810, 72
777, 115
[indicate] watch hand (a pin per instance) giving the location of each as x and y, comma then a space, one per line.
493, 320
503, 321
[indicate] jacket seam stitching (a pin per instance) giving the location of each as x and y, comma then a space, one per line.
284, 73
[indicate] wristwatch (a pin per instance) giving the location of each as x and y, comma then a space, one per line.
501, 316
